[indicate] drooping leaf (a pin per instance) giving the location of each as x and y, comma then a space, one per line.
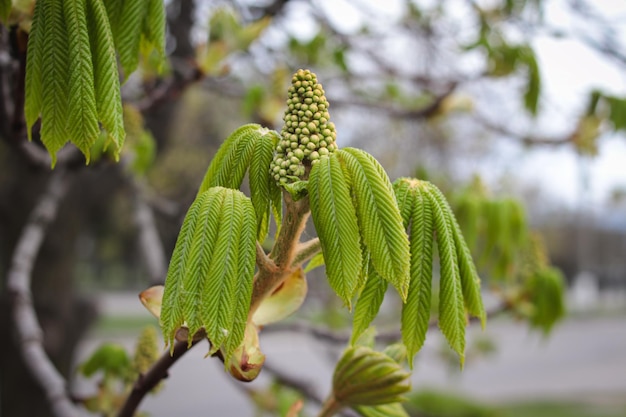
128, 36
209, 281
55, 78
416, 311
230, 163
545, 289
380, 221
452, 320
261, 181
154, 26
533, 85
368, 304
34, 68
385, 410
106, 77
82, 123
364, 377
335, 221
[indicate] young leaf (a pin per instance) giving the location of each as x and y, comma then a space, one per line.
364, 377
261, 181
337, 228
416, 311
83, 129
106, 77
368, 304
379, 218
229, 165
54, 109
452, 320
34, 68
129, 31
154, 26
209, 281
470, 281
385, 410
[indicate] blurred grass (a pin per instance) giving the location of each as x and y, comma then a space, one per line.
108, 325
429, 403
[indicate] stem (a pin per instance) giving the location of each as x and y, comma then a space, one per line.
145, 382
305, 251
283, 252
330, 408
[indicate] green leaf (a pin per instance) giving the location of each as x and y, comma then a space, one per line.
154, 26
106, 77
335, 221
364, 377
209, 281
230, 163
379, 218
316, 261
452, 320
546, 292
34, 68
83, 129
533, 85
470, 280
111, 358
385, 410
368, 304
416, 311
261, 181
129, 31
54, 108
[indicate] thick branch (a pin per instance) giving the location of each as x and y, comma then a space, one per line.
29, 331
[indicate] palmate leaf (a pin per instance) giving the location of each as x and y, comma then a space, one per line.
55, 77
154, 26
385, 410
209, 280
106, 78
368, 304
380, 221
129, 34
34, 68
416, 310
452, 319
230, 163
82, 123
335, 221
261, 182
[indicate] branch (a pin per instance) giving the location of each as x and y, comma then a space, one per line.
302, 386
145, 382
29, 331
343, 337
305, 251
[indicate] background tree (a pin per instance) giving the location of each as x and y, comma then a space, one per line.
435, 88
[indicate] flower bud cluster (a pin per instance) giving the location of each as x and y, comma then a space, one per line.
307, 133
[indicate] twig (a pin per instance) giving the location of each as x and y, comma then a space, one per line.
150, 379
302, 386
342, 337
305, 251
29, 331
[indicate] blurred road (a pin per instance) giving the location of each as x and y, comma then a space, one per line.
582, 358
